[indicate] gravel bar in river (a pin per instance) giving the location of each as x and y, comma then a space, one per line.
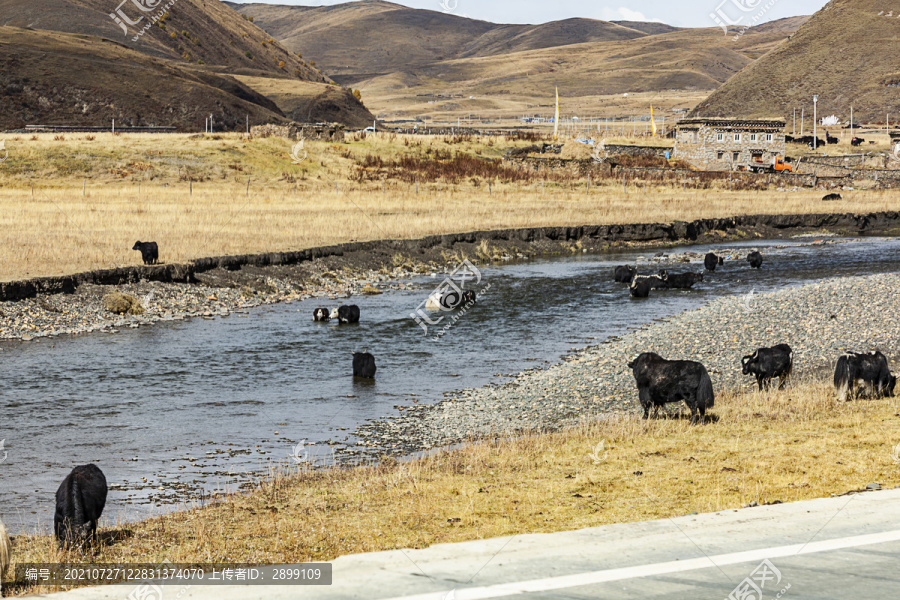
819, 321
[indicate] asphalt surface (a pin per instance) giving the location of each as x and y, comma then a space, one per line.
842, 547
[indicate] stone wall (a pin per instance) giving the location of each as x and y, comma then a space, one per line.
331, 132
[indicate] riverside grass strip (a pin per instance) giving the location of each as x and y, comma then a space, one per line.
789, 445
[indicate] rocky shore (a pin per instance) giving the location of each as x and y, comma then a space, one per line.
819, 321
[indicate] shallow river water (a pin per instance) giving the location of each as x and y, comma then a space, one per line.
207, 405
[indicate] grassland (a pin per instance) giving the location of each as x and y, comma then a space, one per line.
765, 447
75, 203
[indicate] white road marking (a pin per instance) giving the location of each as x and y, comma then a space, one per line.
678, 566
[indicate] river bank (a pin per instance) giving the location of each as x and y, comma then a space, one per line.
72, 305
819, 321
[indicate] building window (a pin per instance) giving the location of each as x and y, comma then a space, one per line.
720, 137
752, 137
737, 137
768, 137
720, 155
736, 156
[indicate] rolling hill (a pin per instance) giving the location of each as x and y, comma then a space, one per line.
69, 62
194, 31
864, 72
43, 81
357, 40
412, 63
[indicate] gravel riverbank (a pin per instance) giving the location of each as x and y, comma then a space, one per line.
217, 294
819, 321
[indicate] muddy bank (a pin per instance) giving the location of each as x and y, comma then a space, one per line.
242, 270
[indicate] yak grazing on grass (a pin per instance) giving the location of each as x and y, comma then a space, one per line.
660, 381
869, 369
79, 503
768, 363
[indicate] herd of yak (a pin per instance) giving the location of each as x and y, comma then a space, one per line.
661, 381
81, 496
640, 285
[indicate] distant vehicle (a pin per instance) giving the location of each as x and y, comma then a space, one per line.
370, 129
776, 166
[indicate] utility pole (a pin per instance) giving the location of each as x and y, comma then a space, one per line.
815, 120
802, 119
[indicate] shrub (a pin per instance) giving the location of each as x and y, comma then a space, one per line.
173, 35
248, 55
122, 304
357, 94
281, 64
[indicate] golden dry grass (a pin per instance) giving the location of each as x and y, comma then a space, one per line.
778, 446
190, 196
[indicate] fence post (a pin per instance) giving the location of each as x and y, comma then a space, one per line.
248, 186
83, 188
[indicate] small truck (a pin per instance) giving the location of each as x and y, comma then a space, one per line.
776, 166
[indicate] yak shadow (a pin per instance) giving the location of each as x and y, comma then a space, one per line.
680, 416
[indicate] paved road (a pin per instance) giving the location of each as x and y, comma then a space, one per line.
836, 548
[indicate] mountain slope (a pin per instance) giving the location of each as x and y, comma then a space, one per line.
375, 37
865, 72
60, 78
195, 31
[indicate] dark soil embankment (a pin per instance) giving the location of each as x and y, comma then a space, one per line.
243, 270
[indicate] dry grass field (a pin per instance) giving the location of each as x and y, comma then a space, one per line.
79, 203
778, 446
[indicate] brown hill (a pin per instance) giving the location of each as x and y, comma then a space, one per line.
846, 54
65, 79
192, 31
357, 40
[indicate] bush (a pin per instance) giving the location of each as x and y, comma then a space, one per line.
122, 304
357, 94
248, 55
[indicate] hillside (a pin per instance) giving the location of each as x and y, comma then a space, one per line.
356, 40
42, 81
204, 32
865, 72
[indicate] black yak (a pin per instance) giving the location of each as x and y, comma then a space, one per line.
711, 261
869, 369
660, 381
830, 197
79, 503
346, 314
768, 363
681, 281
321, 315
4, 549
364, 365
755, 259
149, 252
625, 273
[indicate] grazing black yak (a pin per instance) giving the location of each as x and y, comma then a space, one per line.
79, 503
755, 259
321, 315
625, 273
768, 363
4, 549
660, 381
681, 281
869, 369
642, 284
711, 261
364, 365
830, 197
346, 314
149, 252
